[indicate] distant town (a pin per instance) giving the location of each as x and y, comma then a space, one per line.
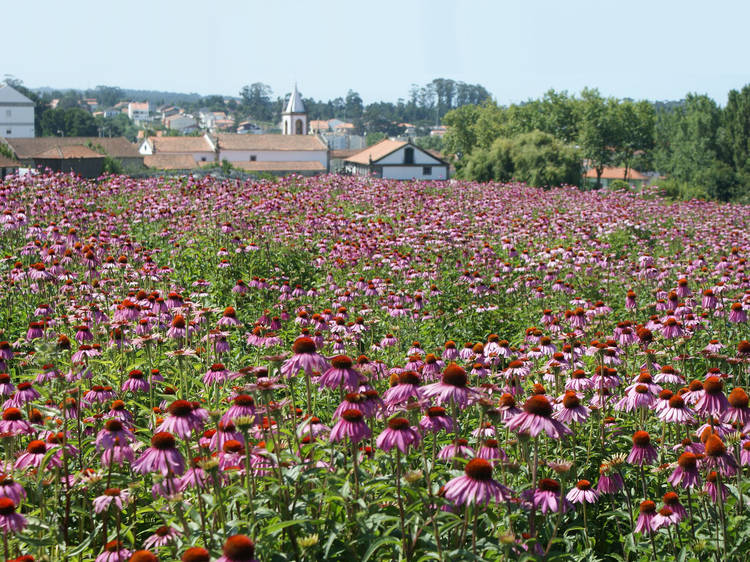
691, 148
110, 129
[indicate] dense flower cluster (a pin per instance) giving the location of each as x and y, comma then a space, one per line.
203, 369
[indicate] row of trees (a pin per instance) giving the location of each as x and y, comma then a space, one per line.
701, 148
426, 105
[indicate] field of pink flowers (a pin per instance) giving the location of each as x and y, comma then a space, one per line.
341, 369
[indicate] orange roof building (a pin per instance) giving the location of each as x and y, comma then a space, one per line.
398, 160
614, 173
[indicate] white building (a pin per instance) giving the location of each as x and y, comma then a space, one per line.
291, 150
16, 114
139, 111
294, 118
201, 149
396, 160
182, 122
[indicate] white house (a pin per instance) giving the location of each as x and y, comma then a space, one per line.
201, 149
290, 149
139, 111
16, 114
181, 122
396, 160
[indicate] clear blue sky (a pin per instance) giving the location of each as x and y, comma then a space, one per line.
655, 49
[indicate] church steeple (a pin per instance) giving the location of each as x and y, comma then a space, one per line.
294, 118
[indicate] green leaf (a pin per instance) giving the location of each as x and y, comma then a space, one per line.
377, 544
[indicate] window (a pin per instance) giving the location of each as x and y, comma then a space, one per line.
203, 158
409, 155
253, 158
426, 170
8, 131
298, 127
7, 112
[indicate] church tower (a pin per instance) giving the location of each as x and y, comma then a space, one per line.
294, 118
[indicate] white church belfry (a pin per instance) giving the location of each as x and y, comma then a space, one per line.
294, 118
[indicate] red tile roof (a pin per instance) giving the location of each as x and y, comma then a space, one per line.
176, 145
612, 173
170, 161
376, 151
230, 141
117, 147
66, 152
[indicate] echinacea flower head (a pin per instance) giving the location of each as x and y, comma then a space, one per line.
686, 474
476, 486
571, 409
341, 374
9, 488
583, 492
196, 554
712, 401
397, 434
35, 452
143, 556
112, 496
672, 501
113, 434
436, 419
304, 358
162, 456
181, 420
537, 417
642, 452
162, 536
10, 521
548, 497
452, 387
646, 514
351, 425
738, 410
114, 551
717, 457
238, 548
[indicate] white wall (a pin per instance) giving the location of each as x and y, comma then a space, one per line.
16, 121
291, 124
439, 172
275, 156
420, 157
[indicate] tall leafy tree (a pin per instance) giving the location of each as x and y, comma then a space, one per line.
599, 130
635, 130
256, 100
735, 133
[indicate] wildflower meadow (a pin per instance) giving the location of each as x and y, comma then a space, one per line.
335, 368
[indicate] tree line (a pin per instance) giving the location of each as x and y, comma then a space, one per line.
700, 148
426, 105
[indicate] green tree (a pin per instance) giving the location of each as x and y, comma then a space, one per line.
635, 127
536, 157
735, 134
71, 122
689, 150
461, 138
599, 130
375, 138
353, 106
256, 100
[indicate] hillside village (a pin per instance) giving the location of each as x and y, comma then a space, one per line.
444, 129
169, 138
